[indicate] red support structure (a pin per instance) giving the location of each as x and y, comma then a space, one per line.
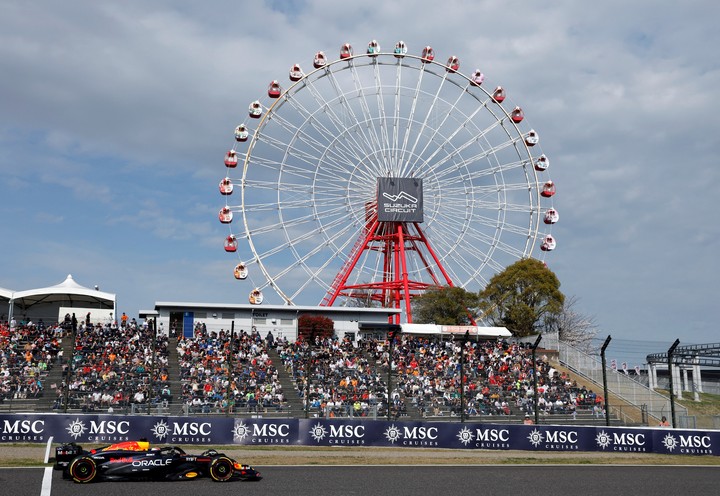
397, 243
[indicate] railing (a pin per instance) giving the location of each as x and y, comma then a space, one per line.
630, 391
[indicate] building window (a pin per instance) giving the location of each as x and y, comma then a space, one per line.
228, 315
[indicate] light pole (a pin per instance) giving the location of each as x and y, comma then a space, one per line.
308, 359
672, 387
535, 375
605, 388
465, 339
393, 329
229, 367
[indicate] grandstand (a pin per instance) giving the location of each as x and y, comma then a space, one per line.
130, 369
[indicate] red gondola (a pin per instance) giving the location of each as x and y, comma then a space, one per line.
241, 133
319, 60
231, 159
428, 54
400, 49
296, 74
226, 186
274, 90
225, 215
346, 51
499, 94
517, 115
551, 216
548, 189
373, 48
532, 138
477, 78
255, 109
453, 64
231, 244
542, 163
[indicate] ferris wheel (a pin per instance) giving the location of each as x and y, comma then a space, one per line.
371, 177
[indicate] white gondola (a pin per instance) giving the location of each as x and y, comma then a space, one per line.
548, 243
532, 138
542, 163
477, 78
400, 49
255, 109
320, 60
551, 216
241, 133
240, 272
256, 297
226, 186
225, 215
296, 74
373, 48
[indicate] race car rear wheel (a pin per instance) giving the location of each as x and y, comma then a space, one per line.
221, 469
83, 469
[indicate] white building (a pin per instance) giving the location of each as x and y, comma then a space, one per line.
282, 320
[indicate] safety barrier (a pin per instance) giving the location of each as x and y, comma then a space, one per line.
107, 429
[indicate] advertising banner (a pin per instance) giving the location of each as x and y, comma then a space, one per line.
209, 430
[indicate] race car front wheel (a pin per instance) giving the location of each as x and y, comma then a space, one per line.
83, 469
221, 469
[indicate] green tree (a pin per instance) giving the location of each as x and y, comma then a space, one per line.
522, 297
445, 306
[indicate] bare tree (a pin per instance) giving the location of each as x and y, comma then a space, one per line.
574, 328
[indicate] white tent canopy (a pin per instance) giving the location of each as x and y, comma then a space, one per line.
45, 302
5, 297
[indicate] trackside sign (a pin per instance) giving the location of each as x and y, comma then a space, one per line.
99, 429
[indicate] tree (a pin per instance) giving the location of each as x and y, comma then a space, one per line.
522, 297
573, 327
311, 326
445, 306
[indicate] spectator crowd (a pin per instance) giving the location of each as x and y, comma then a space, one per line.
114, 366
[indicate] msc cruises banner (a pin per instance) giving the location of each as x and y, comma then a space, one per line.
400, 199
99, 429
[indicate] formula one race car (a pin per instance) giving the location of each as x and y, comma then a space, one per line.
132, 460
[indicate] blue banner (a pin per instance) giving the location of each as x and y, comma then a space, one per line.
100, 429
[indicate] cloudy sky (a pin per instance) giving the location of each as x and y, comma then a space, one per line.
115, 116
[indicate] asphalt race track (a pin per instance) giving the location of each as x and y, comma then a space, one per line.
588, 480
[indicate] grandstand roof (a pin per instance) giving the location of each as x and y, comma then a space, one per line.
264, 308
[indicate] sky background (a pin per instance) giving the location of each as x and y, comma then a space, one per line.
116, 115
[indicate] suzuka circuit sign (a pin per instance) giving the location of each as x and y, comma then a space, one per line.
168, 430
400, 199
